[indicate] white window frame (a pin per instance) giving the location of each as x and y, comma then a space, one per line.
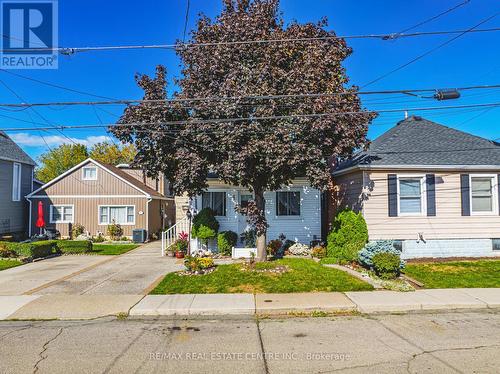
89, 167
114, 206
51, 213
494, 194
16, 194
225, 216
423, 194
301, 198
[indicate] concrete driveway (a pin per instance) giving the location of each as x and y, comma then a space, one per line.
133, 273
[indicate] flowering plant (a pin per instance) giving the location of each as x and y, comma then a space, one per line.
182, 242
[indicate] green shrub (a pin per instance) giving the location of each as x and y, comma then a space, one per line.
366, 255
205, 226
250, 238
77, 230
348, 236
198, 263
115, 231
226, 240
33, 250
386, 265
74, 246
7, 252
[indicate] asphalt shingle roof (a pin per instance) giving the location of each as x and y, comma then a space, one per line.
11, 151
417, 141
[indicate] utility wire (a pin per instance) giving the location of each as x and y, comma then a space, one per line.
186, 22
180, 46
248, 97
239, 119
419, 57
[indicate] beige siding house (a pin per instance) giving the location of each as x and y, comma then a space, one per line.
433, 188
94, 195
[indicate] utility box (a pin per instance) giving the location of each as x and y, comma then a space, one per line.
139, 235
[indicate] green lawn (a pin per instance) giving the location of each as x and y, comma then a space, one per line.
456, 274
304, 275
6, 264
112, 249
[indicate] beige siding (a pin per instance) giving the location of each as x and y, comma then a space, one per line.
447, 224
86, 213
180, 201
106, 184
156, 207
156, 184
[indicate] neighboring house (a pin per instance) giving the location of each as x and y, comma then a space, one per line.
16, 181
94, 195
434, 188
294, 211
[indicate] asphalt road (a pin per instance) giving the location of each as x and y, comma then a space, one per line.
415, 343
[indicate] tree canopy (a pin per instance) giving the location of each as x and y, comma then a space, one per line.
249, 141
58, 160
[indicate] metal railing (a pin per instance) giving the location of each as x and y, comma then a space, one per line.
169, 236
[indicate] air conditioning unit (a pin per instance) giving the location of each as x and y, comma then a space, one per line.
139, 235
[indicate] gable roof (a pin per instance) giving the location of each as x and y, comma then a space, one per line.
416, 142
131, 181
10, 151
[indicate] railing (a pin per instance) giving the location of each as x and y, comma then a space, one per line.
169, 236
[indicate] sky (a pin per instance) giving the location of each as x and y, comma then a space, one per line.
472, 59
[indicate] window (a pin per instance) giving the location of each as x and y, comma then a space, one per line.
244, 199
482, 194
288, 203
123, 215
61, 214
216, 201
89, 173
16, 182
411, 195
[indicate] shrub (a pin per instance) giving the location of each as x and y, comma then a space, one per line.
77, 230
32, 250
365, 257
206, 262
7, 252
198, 263
205, 226
74, 246
98, 239
348, 236
250, 238
115, 231
273, 246
226, 240
318, 251
386, 265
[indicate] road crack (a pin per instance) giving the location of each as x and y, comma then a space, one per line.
44, 349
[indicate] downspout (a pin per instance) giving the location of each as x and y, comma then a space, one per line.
29, 217
147, 216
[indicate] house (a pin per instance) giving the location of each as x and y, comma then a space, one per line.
294, 210
432, 188
95, 195
16, 181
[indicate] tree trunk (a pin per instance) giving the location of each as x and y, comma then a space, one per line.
261, 236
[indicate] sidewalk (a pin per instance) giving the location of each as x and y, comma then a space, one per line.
94, 306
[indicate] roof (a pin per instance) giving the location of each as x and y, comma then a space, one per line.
9, 150
120, 174
130, 179
416, 141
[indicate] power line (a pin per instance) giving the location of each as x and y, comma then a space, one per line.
247, 97
179, 46
186, 22
240, 119
435, 17
419, 57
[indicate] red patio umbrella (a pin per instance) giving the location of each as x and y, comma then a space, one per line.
40, 222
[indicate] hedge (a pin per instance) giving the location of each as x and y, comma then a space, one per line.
33, 250
74, 246
226, 240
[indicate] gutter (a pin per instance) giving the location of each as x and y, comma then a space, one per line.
147, 215
29, 217
416, 167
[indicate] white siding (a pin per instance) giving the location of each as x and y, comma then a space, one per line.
303, 228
